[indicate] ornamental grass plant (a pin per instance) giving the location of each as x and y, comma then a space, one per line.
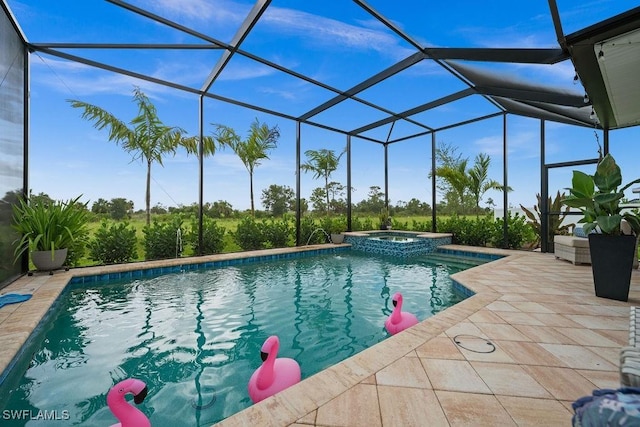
48, 226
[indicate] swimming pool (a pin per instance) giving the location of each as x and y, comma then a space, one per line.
194, 337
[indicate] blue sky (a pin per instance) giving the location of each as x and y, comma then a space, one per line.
336, 43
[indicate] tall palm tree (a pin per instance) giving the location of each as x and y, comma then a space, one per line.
146, 137
479, 182
252, 150
322, 163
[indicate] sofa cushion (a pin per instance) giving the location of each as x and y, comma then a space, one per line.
579, 232
576, 242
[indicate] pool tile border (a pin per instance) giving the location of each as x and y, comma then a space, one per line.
204, 265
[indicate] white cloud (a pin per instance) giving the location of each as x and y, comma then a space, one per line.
222, 12
76, 79
285, 94
523, 145
328, 31
318, 29
246, 71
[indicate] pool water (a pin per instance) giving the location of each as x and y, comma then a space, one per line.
195, 337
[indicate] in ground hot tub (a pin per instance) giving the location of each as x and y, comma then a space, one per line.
397, 243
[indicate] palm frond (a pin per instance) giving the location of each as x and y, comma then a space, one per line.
119, 132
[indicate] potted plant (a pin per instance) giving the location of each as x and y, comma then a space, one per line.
385, 219
612, 249
334, 227
48, 230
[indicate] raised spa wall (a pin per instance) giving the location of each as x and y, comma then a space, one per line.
420, 243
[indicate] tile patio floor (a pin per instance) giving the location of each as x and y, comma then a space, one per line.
554, 342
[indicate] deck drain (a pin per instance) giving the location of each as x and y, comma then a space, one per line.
474, 343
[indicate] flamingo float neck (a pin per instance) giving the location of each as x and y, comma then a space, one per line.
268, 353
396, 315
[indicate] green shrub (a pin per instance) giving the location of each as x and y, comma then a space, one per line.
249, 235
399, 225
336, 224
309, 234
212, 237
76, 251
277, 234
421, 226
361, 224
114, 245
472, 232
451, 225
477, 232
161, 239
519, 232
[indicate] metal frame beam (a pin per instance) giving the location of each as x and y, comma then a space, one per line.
415, 44
250, 21
510, 55
371, 81
557, 25
167, 46
241, 52
419, 109
533, 95
162, 82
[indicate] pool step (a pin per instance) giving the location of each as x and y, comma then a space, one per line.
456, 261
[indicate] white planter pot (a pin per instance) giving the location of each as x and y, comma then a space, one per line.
45, 262
337, 238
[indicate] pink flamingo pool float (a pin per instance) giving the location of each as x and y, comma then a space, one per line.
128, 415
275, 374
399, 320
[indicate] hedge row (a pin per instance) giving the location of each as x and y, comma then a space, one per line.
116, 243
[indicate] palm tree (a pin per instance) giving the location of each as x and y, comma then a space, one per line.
322, 163
457, 178
147, 138
479, 182
251, 151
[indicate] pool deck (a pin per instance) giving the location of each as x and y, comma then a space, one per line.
554, 342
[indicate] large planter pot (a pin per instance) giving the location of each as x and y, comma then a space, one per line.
611, 263
44, 262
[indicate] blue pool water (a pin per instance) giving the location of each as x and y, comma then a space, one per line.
194, 337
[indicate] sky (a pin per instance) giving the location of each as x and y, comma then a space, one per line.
336, 43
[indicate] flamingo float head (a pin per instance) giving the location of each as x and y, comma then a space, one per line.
134, 386
270, 346
123, 411
397, 299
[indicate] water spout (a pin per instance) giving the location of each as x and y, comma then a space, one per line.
314, 232
178, 242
